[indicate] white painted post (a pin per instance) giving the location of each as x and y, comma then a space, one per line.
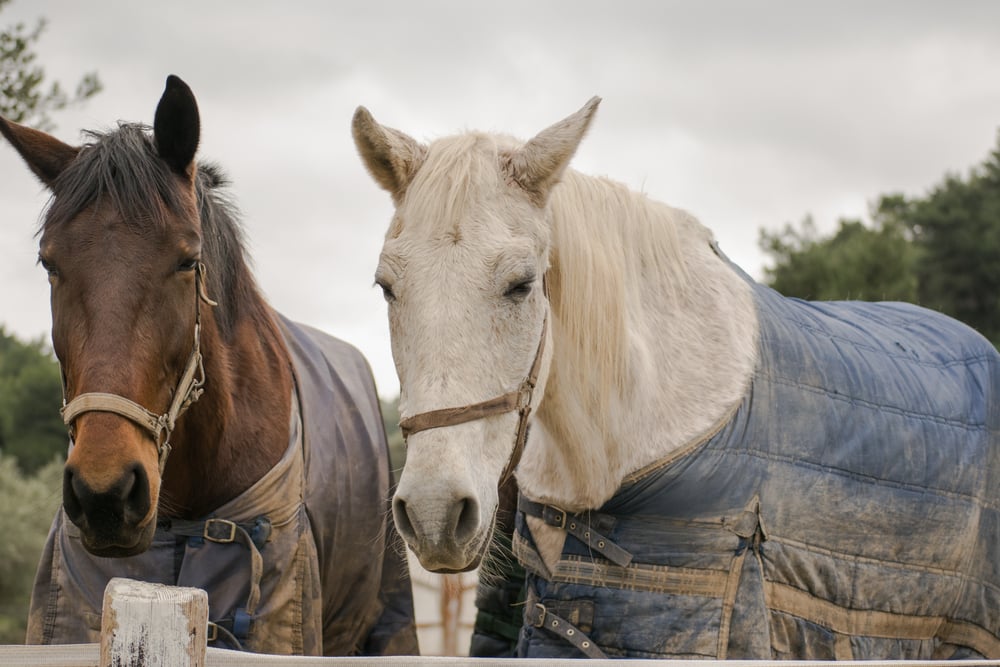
152, 625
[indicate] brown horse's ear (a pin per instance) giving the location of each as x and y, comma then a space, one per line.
538, 165
45, 155
177, 126
392, 157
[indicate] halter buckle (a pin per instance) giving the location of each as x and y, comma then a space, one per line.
524, 393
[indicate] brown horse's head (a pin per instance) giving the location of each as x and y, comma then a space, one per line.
122, 244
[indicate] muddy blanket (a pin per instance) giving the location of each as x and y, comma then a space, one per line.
848, 510
304, 562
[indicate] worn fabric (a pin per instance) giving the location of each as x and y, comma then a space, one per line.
848, 510
313, 565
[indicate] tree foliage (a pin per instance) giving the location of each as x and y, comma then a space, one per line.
31, 430
29, 503
32, 436
941, 250
957, 227
25, 96
874, 263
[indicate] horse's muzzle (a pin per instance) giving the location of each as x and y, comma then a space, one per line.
455, 544
113, 522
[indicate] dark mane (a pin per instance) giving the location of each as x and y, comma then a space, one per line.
122, 168
223, 248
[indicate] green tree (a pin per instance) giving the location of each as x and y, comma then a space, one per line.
872, 263
31, 429
957, 227
28, 503
32, 436
25, 97
941, 250
30, 386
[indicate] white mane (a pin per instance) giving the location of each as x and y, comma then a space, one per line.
651, 327
597, 262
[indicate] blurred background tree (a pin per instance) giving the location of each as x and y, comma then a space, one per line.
867, 263
940, 250
32, 436
957, 228
397, 449
29, 502
31, 430
25, 95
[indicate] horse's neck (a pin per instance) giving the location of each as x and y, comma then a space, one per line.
238, 430
688, 352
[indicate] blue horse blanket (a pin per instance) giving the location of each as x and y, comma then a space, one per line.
849, 509
306, 561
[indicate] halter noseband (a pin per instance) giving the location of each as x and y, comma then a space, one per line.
189, 389
519, 399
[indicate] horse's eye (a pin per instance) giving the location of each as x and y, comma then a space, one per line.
48, 266
188, 264
386, 291
519, 289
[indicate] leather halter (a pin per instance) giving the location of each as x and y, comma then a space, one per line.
518, 399
189, 389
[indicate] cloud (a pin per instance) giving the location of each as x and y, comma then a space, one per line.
746, 114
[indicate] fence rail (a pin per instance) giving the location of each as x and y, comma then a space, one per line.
151, 625
89, 655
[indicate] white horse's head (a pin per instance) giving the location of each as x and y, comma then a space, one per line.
463, 269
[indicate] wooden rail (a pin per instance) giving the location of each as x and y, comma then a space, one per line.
151, 625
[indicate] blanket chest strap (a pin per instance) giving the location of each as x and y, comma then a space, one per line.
579, 526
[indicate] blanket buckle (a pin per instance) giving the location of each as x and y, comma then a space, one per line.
555, 517
222, 531
538, 618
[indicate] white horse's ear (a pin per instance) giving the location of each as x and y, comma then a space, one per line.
538, 165
391, 157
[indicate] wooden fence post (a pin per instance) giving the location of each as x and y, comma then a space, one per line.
152, 625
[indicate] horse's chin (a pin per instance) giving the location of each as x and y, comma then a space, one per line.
121, 546
447, 565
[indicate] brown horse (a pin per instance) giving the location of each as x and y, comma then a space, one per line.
210, 438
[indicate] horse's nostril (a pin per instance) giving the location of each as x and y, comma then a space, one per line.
401, 516
136, 494
467, 521
71, 501
127, 501
128, 484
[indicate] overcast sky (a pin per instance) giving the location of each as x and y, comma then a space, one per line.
747, 114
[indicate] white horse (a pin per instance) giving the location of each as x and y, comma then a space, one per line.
518, 287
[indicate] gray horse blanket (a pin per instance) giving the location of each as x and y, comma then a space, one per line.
849, 509
307, 561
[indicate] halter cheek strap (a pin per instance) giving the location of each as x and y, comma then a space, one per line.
519, 399
189, 389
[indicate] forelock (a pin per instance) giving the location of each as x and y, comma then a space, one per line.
121, 167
